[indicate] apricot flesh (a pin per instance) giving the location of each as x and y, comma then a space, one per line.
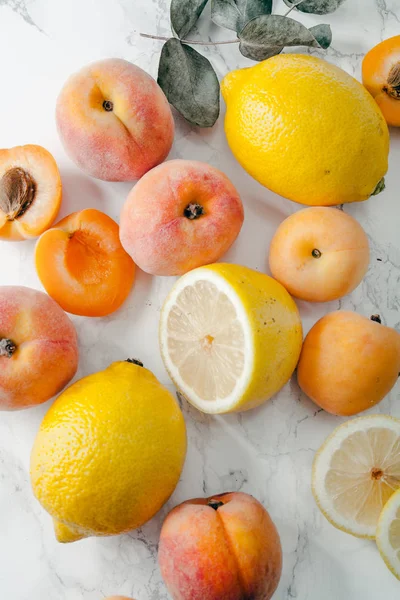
114, 120
30, 192
82, 265
349, 363
381, 77
224, 547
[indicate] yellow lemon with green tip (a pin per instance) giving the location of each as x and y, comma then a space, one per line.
306, 130
109, 453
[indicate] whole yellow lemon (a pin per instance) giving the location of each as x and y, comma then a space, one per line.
109, 453
306, 130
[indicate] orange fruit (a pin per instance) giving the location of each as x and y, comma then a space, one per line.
30, 192
381, 77
82, 265
348, 362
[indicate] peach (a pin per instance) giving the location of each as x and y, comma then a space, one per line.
82, 265
179, 216
114, 120
30, 192
319, 254
38, 348
349, 362
221, 548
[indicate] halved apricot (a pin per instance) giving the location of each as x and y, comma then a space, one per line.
381, 77
30, 192
82, 265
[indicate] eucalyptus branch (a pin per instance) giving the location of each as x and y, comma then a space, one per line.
293, 7
193, 42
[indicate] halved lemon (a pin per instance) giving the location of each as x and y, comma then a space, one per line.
356, 471
230, 337
388, 534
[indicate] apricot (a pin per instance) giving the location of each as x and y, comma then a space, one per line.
38, 348
224, 547
82, 265
349, 362
319, 254
179, 216
30, 192
114, 120
381, 77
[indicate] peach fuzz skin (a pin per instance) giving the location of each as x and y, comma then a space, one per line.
156, 228
30, 192
114, 120
319, 254
44, 355
348, 363
229, 552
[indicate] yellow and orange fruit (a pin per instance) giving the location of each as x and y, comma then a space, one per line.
30, 192
82, 265
38, 348
114, 120
381, 77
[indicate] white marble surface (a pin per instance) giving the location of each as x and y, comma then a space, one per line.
267, 452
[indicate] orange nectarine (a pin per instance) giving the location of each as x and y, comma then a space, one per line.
319, 254
349, 362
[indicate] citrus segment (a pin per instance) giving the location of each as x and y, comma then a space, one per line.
230, 337
356, 471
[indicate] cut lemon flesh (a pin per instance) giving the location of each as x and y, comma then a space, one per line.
388, 534
356, 471
211, 337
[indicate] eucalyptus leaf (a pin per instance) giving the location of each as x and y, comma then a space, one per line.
189, 82
267, 35
317, 7
323, 35
185, 14
235, 14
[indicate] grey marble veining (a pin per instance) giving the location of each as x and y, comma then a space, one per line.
267, 452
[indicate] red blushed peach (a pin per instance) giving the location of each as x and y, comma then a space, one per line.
38, 348
179, 216
221, 548
114, 120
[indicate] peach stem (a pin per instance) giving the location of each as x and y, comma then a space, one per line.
376, 318
215, 504
193, 211
134, 361
7, 347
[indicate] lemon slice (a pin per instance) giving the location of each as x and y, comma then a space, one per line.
388, 534
356, 471
230, 337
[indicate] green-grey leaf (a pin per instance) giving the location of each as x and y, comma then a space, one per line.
234, 14
267, 35
323, 35
185, 14
189, 82
318, 7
